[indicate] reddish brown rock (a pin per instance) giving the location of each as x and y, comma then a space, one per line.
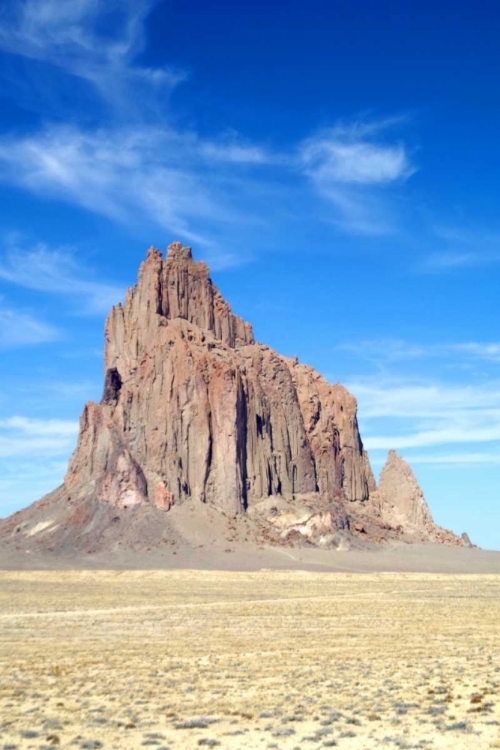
194, 410
400, 504
195, 413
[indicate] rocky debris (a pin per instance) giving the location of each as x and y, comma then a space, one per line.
195, 412
307, 521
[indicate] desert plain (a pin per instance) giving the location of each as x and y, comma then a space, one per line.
255, 660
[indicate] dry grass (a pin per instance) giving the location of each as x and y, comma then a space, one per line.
259, 660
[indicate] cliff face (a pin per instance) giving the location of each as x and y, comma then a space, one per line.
195, 418
194, 410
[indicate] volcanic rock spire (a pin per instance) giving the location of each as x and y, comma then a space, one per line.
194, 410
197, 416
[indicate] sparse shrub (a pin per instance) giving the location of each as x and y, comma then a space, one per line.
201, 723
458, 726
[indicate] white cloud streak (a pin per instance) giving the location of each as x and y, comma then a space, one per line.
141, 175
434, 400
22, 481
456, 459
349, 165
400, 415
132, 171
392, 350
449, 261
70, 36
430, 438
462, 248
329, 161
58, 272
19, 328
22, 436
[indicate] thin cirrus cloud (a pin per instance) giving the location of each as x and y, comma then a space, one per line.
380, 351
54, 272
449, 261
397, 398
462, 248
174, 181
452, 459
179, 181
70, 36
39, 475
22, 436
401, 414
19, 328
411, 413
171, 177
350, 165
434, 437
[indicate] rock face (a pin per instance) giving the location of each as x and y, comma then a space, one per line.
195, 413
193, 410
400, 503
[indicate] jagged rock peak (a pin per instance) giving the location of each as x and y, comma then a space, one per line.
194, 410
175, 287
402, 498
178, 251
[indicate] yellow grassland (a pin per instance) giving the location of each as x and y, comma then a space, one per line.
188, 659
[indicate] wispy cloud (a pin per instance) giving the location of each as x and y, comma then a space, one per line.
400, 407
19, 328
134, 175
448, 261
57, 272
85, 40
349, 165
135, 168
22, 436
437, 436
379, 351
402, 414
329, 160
47, 444
454, 459
399, 398
144, 169
461, 248
23, 481
480, 350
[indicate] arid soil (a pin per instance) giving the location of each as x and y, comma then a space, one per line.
269, 659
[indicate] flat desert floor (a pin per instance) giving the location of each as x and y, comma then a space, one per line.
269, 659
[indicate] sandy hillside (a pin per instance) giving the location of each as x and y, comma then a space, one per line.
183, 659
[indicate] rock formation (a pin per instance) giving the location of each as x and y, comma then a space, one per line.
400, 503
401, 500
194, 411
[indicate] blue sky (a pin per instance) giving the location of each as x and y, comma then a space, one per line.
336, 165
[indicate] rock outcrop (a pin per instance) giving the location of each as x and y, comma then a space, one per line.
194, 411
400, 504
401, 501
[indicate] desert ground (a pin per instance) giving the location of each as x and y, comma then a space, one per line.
268, 659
